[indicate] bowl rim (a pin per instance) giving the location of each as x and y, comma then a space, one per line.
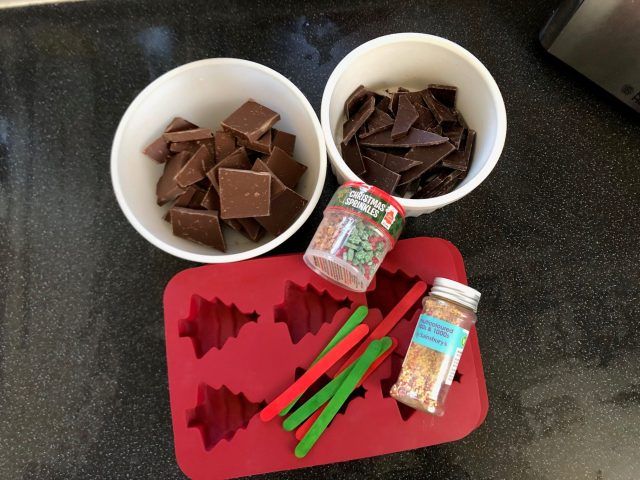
222, 257
428, 204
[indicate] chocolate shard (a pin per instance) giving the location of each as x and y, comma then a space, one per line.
355, 100
238, 160
225, 144
432, 184
211, 200
262, 145
234, 224
445, 94
244, 193
201, 226
395, 98
377, 122
285, 208
284, 141
443, 114
210, 143
191, 198
352, 157
277, 187
437, 129
179, 124
167, 189
429, 158
251, 229
416, 99
193, 170
426, 120
177, 147
456, 134
188, 135
250, 121
379, 176
285, 167
157, 150
460, 159
414, 138
395, 163
405, 118
410, 187
352, 125
384, 104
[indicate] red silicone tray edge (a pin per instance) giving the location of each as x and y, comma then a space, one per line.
262, 448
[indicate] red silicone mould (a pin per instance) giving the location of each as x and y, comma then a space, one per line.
238, 334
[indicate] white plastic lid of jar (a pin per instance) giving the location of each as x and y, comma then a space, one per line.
456, 292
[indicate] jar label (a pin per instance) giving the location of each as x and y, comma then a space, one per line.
360, 200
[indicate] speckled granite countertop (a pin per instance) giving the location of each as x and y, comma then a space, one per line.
551, 240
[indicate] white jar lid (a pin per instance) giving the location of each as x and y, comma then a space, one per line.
456, 292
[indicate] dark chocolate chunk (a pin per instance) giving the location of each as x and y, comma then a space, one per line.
377, 122
432, 184
352, 157
426, 119
437, 129
179, 124
395, 163
405, 118
250, 121
384, 104
251, 229
285, 167
395, 98
244, 193
403, 90
379, 176
445, 94
442, 113
238, 160
283, 140
355, 100
211, 200
416, 99
167, 189
277, 187
285, 208
201, 226
352, 125
193, 170
188, 135
225, 144
157, 150
460, 159
429, 158
456, 134
414, 138
262, 145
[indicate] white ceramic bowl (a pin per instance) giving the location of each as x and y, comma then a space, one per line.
413, 60
205, 92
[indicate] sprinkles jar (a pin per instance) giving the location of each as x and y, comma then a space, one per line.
361, 225
448, 313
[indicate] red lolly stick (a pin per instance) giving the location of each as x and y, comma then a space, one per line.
314, 372
304, 428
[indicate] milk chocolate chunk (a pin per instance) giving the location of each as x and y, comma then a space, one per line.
352, 157
355, 100
238, 160
443, 114
251, 229
460, 159
379, 176
211, 200
188, 135
414, 138
352, 125
179, 124
167, 189
177, 147
157, 150
225, 144
285, 167
193, 170
262, 145
283, 140
251, 121
187, 198
277, 187
234, 224
377, 122
201, 226
285, 208
244, 193
405, 118
445, 94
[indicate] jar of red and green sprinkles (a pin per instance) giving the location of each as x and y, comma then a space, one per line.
361, 225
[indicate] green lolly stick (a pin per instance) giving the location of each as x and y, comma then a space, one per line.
359, 369
352, 322
324, 395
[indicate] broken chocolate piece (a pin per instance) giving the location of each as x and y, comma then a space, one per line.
355, 100
379, 176
188, 135
262, 145
234, 224
193, 170
238, 160
443, 114
225, 144
432, 184
395, 98
277, 187
177, 147
456, 134
395, 163
251, 229
191, 198
384, 104
285, 208
244, 193
285, 167
157, 150
445, 94
167, 189
459, 160
201, 226
250, 121
211, 200
352, 157
406, 117
437, 129
429, 157
283, 140
377, 122
352, 125
426, 119
415, 138
179, 124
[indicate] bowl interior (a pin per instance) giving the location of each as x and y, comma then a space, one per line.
414, 63
205, 93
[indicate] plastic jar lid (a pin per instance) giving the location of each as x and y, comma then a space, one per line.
456, 292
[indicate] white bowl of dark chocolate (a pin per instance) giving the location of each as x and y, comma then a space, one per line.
415, 61
205, 93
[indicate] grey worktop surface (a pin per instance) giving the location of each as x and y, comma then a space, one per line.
551, 239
